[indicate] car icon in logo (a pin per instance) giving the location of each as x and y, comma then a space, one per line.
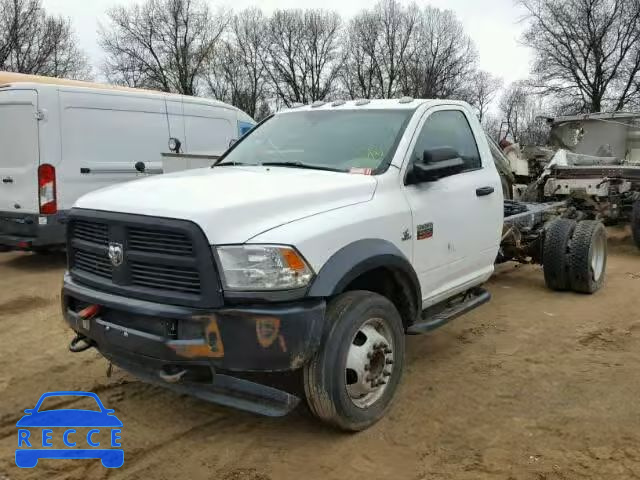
68, 425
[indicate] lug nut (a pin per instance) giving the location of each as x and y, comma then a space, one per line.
389, 361
387, 350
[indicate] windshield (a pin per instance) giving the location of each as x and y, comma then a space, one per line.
330, 140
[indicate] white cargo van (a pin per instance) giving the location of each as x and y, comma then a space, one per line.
62, 139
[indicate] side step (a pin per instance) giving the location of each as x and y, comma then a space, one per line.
472, 299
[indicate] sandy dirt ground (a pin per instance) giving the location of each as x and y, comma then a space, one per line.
535, 385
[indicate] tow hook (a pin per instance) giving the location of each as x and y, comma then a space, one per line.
172, 374
81, 343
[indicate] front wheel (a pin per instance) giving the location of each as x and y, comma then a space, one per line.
351, 381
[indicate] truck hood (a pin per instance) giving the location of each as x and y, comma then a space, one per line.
232, 204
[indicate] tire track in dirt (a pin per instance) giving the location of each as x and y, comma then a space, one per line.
8, 421
23, 304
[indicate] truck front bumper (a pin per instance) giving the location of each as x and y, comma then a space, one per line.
201, 352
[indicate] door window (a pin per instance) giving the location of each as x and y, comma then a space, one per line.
449, 128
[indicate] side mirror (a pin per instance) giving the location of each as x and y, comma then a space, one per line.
437, 163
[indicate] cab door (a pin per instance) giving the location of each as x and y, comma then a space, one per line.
20, 153
457, 220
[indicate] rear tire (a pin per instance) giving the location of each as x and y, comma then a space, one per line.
365, 346
588, 257
555, 254
635, 223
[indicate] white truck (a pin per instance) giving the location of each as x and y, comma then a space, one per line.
312, 247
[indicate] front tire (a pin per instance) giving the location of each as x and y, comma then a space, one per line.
351, 381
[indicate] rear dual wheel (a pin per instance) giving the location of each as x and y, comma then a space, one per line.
351, 381
575, 255
588, 257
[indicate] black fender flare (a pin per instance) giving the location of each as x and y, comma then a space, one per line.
359, 257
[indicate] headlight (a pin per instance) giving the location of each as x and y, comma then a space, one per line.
263, 267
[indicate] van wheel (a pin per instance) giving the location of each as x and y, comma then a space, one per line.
588, 257
555, 253
635, 223
351, 381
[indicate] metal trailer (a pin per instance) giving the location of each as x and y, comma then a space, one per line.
597, 168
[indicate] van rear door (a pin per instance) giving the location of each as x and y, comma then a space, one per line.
19, 151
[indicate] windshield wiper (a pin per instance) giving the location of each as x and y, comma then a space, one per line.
302, 165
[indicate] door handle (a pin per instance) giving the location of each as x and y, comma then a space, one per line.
484, 191
7, 180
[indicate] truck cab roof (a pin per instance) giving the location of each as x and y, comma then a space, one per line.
405, 103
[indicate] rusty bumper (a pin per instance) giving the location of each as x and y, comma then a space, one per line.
155, 341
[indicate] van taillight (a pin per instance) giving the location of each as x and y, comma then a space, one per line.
47, 189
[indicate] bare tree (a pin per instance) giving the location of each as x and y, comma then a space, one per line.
587, 51
33, 42
378, 42
238, 73
304, 54
442, 61
397, 27
361, 71
483, 91
393, 50
161, 44
521, 111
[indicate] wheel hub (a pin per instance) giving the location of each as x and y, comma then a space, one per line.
598, 254
369, 363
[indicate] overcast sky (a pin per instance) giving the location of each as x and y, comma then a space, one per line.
494, 25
